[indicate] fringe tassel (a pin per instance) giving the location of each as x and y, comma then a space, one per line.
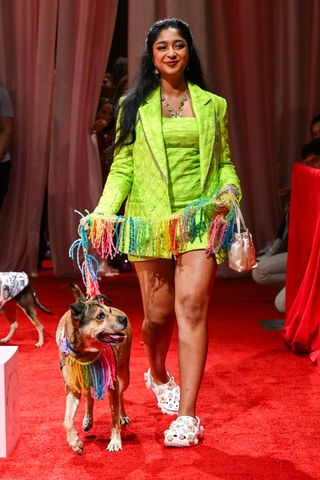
89, 266
98, 375
112, 234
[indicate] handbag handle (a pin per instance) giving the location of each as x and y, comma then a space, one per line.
239, 217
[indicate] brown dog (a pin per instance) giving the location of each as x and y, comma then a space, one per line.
27, 300
86, 334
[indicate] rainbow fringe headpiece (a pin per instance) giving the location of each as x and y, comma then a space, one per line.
113, 234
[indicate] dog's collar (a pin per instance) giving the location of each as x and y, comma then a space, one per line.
69, 346
97, 375
65, 345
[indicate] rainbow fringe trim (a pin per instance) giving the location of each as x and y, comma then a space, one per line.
113, 234
97, 375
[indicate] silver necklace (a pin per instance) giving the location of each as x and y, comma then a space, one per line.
175, 113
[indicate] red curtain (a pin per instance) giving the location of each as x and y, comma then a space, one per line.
27, 43
85, 31
60, 45
302, 323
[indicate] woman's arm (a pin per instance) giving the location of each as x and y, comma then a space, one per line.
228, 178
118, 184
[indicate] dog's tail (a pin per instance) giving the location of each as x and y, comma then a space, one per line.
28, 297
39, 305
37, 301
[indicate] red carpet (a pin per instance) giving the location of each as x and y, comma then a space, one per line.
259, 403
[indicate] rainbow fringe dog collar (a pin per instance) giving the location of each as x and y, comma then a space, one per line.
97, 375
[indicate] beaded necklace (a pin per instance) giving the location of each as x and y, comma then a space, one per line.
175, 113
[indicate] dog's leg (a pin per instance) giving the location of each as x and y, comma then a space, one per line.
31, 313
10, 311
115, 439
26, 300
87, 422
124, 380
72, 403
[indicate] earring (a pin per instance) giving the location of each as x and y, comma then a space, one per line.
156, 71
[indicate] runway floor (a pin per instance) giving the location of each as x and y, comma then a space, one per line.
259, 403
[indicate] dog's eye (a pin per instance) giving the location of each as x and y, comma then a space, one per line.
101, 316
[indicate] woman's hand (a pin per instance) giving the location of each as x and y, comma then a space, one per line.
221, 207
223, 202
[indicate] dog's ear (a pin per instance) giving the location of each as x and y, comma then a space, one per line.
77, 293
101, 295
72, 324
77, 308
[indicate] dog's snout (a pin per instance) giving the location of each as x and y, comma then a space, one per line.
123, 320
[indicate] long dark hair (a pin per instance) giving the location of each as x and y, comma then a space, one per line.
147, 80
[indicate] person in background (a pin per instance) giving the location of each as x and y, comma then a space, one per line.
315, 127
172, 153
103, 128
311, 153
6, 135
121, 89
119, 70
272, 263
107, 87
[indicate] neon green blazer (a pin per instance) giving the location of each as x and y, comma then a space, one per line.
139, 172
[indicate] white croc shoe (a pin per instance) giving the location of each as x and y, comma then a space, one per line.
185, 431
167, 394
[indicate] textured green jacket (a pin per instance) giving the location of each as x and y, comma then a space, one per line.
139, 172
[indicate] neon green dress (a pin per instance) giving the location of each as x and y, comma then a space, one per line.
181, 139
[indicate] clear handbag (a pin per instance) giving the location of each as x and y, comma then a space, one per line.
242, 255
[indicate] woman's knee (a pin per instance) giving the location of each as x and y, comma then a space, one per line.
280, 301
191, 310
260, 274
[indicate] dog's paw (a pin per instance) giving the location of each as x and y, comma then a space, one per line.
115, 445
87, 423
74, 441
77, 447
124, 420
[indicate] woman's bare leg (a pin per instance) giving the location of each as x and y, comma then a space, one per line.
194, 277
156, 278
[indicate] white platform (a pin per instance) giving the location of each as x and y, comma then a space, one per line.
9, 400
